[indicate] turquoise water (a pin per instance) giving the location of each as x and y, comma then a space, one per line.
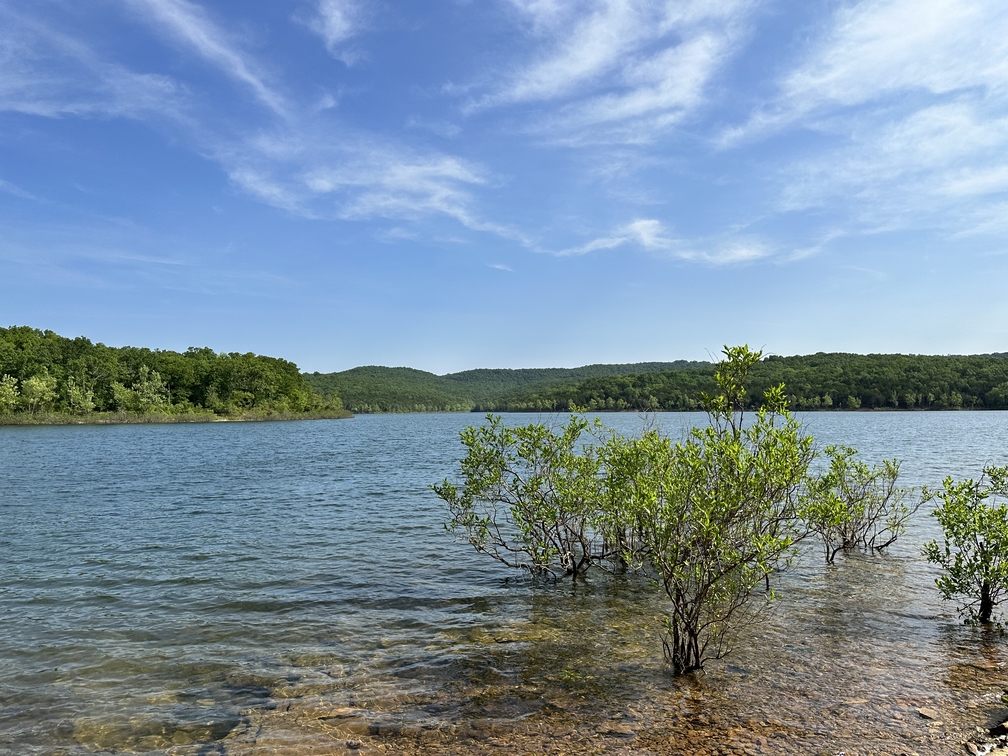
176, 588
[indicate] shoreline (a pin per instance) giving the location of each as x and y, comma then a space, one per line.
793, 411
156, 418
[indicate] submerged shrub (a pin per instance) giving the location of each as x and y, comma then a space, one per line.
856, 506
528, 497
718, 513
973, 515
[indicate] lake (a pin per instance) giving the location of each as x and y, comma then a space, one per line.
286, 588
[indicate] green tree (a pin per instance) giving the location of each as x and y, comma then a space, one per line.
123, 399
144, 380
8, 394
38, 393
79, 398
150, 391
718, 512
528, 496
973, 516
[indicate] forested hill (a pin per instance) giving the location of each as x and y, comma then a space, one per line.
401, 389
819, 381
45, 374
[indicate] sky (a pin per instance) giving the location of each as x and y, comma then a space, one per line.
452, 184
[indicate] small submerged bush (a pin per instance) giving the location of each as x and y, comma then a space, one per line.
853, 505
529, 498
973, 515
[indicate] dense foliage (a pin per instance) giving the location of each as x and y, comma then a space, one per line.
718, 511
42, 372
383, 389
819, 381
973, 515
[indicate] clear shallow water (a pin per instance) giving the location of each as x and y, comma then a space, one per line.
289, 587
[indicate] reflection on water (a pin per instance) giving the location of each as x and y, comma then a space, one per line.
289, 588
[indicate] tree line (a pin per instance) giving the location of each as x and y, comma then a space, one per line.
814, 382
43, 373
374, 388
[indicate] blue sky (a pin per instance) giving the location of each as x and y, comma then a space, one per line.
506, 183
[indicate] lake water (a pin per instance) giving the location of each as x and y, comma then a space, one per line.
287, 588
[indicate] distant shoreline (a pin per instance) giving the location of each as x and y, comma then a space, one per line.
590, 411
155, 418
821, 381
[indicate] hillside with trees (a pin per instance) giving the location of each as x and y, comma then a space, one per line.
45, 376
813, 382
401, 389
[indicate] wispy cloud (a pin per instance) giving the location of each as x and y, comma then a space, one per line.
605, 70
618, 70
912, 100
306, 163
44, 72
356, 177
13, 189
880, 48
500, 266
387, 184
651, 235
337, 22
936, 154
191, 24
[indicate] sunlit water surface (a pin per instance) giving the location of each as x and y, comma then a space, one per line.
290, 588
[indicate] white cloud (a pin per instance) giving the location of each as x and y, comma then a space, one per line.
937, 152
936, 168
653, 65
618, 70
500, 266
318, 174
651, 235
879, 49
386, 183
908, 100
976, 181
336, 22
263, 186
47, 73
306, 164
659, 92
192, 25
